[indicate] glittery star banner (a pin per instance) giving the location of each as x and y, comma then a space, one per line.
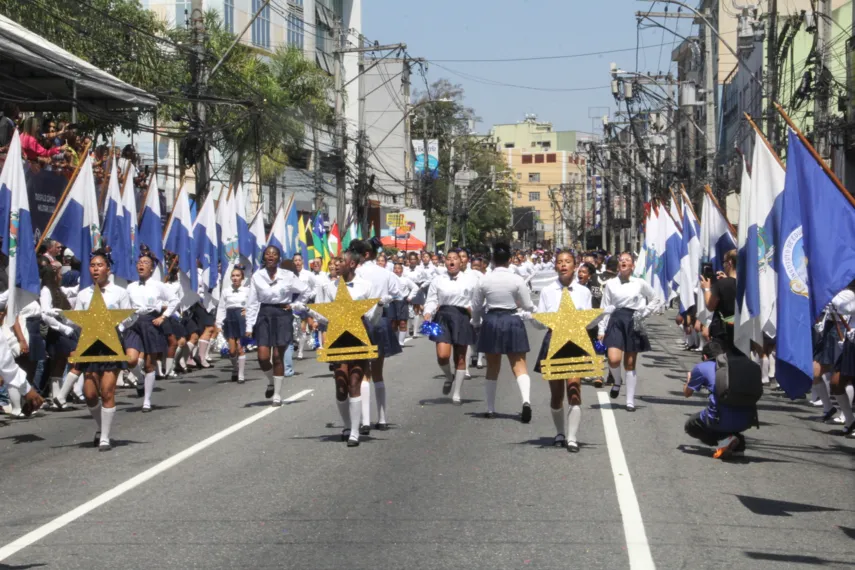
99, 339
347, 338
569, 330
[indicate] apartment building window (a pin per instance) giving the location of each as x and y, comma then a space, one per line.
509, 145
526, 159
538, 159
534, 196
296, 31
229, 15
534, 176
261, 25
182, 13
551, 157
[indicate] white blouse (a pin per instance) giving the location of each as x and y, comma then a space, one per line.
407, 287
231, 298
384, 285
151, 297
635, 294
360, 289
448, 291
277, 291
114, 297
550, 297
500, 289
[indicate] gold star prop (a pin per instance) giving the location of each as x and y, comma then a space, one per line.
99, 339
346, 337
569, 326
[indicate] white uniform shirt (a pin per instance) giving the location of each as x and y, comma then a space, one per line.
114, 297
384, 285
277, 291
176, 292
207, 298
844, 304
58, 323
550, 297
308, 278
501, 289
360, 289
151, 297
407, 287
231, 299
417, 275
635, 294
445, 291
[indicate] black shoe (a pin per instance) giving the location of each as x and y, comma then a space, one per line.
146, 409
96, 439
446, 387
381, 427
234, 377
75, 399
630, 407
140, 391
104, 447
364, 430
353, 443
345, 434
559, 441
473, 362
829, 414
525, 416
614, 392
849, 429
572, 447
489, 415
268, 393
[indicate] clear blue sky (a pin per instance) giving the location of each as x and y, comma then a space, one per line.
485, 29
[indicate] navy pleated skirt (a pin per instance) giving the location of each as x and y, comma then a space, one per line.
502, 332
420, 297
455, 325
397, 311
846, 362
35, 340
234, 325
196, 319
382, 335
826, 345
568, 351
60, 345
144, 336
274, 326
104, 366
621, 334
173, 326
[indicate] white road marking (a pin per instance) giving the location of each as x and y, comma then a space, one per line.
69, 517
633, 527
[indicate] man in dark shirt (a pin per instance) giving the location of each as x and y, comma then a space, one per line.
720, 298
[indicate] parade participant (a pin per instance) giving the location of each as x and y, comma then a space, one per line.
566, 427
398, 311
466, 269
309, 279
15, 379
61, 338
269, 317
145, 340
843, 376
384, 286
415, 272
100, 377
349, 375
231, 319
176, 334
627, 300
497, 298
449, 304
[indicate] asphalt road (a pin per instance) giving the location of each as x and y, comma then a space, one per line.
275, 488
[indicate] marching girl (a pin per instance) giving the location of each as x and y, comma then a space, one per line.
231, 319
497, 298
473, 357
269, 317
308, 278
826, 352
61, 339
416, 273
145, 340
205, 318
627, 300
566, 427
349, 375
100, 377
843, 377
384, 286
449, 304
398, 311
173, 328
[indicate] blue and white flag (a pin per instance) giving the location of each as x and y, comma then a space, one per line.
129, 220
227, 230
277, 231
113, 229
690, 259
292, 229
757, 281
151, 224
715, 238
16, 229
666, 262
794, 365
244, 239
76, 222
179, 236
205, 242
259, 241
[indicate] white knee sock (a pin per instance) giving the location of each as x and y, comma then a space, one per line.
189, 349
95, 411
181, 354
355, 405
344, 412
149, 387
15, 399
490, 387
631, 383
850, 391
446, 369
277, 387
615, 372
67, 385
402, 336
170, 366
417, 325
826, 379
138, 373
764, 369
558, 420
822, 393
459, 376
380, 394
160, 367
78, 385
365, 394
55, 383
524, 383
574, 418
845, 405
269, 375
107, 415
241, 365
480, 359
203, 351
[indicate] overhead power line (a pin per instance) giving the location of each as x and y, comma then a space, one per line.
542, 57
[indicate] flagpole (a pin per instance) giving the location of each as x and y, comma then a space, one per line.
816, 156
107, 184
65, 193
721, 211
145, 196
667, 211
172, 213
674, 197
272, 228
689, 202
764, 139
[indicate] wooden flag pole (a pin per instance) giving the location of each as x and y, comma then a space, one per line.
668, 211
689, 202
104, 186
765, 140
172, 213
171, 267
709, 192
85, 155
816, 156
145, 196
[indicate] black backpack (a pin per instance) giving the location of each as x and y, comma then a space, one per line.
738, 381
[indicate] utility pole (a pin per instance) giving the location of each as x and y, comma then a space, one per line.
360, 194
449, 216
772, 74
427, 198
340, 131
199, 75
408, 144
823, 44
709, 100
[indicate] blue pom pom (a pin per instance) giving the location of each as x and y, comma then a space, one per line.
316, 340
224, 352
431, 329
599, 347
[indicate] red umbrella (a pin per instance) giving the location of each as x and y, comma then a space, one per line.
405, 242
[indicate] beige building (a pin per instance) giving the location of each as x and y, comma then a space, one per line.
551, 177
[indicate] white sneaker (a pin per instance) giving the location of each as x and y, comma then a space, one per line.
816, 403
467, 376
838, 419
